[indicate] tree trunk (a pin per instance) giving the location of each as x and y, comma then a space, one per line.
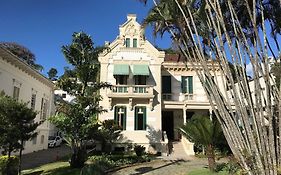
78, 158
20, 155
211, 157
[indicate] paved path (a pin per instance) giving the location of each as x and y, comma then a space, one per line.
38, 158
164, 167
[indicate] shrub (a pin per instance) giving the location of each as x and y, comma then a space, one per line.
9, 166
139, 150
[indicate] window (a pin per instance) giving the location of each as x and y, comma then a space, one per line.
120, 116
121, 79
42, 139
44, 108
140, 118
33, 101
135, 42
140, 80
34, 140
16, 93
187, 84
166, 84
127, 42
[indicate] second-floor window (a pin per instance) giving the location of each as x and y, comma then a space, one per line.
44, 109
121, 79
140, 80
127, 42
16, 93
166, 85
120, 116
33, 101
135, 42
187, 84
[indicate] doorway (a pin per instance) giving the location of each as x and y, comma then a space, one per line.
168, 124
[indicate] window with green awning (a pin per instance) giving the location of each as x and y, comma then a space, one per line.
141, 69
121, 69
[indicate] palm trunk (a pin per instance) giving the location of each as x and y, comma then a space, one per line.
211, 157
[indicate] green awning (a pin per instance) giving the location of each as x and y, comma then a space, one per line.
121, 69
140, 69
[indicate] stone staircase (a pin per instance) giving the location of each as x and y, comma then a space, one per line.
179, 152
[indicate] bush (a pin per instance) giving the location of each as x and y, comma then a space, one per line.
139, 150
9, 166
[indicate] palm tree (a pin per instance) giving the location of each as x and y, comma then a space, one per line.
203, 131
239, 34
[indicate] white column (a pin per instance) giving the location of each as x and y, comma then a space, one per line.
184, 115
211, 114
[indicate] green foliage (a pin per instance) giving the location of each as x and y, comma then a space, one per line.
108, 132
201, 130
139, 150
100, 164
23, 53
78, 120
9, 165
52, 74
16, 124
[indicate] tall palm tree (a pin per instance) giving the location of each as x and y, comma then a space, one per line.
201, 130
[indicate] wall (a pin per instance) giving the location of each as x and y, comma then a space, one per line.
11, 75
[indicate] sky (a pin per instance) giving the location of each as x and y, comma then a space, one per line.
43, 26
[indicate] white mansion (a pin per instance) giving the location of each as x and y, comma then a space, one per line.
152, 91
19, 80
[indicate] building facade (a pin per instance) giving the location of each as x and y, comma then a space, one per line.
152, 93
19, 80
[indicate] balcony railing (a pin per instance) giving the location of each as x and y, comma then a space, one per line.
184, 97
131, 91
188, 97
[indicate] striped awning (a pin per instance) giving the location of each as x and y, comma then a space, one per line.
140, 69
121, 69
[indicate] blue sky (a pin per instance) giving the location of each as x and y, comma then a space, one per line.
44, 26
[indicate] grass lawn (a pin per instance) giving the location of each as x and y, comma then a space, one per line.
57, 168
206, 171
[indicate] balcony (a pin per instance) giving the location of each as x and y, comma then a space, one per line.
131, 91
184, 97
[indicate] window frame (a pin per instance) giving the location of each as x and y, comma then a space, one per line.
127, 42
144, 120
117, 117
135, 42
187, 84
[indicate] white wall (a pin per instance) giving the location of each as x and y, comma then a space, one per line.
11, 75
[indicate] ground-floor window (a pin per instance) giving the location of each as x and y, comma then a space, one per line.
120, 116
34, 140
42, 139
140, 118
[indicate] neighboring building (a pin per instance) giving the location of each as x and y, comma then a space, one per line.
151, 93
19, 80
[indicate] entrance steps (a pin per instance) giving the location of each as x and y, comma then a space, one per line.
182, 150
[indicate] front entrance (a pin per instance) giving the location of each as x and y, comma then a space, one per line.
168, 124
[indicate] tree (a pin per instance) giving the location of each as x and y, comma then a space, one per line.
78, 120
249, 111
17, 125
23, 53
108, 133
52, 74
203, 131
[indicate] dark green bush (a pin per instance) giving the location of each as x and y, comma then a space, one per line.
139, 150
9, 166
